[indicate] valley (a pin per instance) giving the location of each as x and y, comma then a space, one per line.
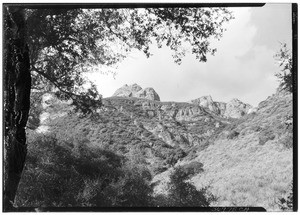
243, 155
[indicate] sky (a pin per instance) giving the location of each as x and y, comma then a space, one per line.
243, 66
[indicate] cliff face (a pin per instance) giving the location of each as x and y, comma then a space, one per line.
233, 109
135, 90
176, 124
236, 109
207, 102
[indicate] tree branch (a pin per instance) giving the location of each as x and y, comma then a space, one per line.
54, 82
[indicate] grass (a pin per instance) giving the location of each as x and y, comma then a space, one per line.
255, 168
243, 173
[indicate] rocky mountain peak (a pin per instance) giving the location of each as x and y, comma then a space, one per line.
206, 102
233, 109
236, 109
137, 91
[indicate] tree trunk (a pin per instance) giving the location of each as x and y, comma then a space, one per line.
17, 85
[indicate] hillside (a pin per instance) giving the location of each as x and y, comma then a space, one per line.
245, 160
157, 131
253, 166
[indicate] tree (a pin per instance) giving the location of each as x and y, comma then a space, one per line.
17, 85
285, 76
184, 194
48, 48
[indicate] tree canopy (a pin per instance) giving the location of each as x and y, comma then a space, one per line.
66, 43
53, 48
285, 61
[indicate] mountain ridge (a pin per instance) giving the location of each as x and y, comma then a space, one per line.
137, 91
232, 109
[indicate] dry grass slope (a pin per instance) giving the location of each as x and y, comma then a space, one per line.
244, 171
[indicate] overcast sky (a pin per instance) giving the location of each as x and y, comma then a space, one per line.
242, 68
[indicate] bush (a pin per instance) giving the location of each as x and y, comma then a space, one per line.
59, 174
174, 156
287, 140
48, 178
192, 154
132, 189
184, 194
256, 128
193, 168
265, 135
232, 134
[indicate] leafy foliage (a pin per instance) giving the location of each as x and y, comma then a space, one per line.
175, 156
35, 110
193, 168
62, 174
284, 58
66, 43
184, 194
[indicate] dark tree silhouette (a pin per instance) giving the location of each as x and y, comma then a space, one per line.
17, 85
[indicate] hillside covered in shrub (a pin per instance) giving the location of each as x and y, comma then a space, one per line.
135, 152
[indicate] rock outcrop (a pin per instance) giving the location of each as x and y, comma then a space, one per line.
207, 102
233, 109
222, 107
135, 90
236, 109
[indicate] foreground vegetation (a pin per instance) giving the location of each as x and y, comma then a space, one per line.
72, 174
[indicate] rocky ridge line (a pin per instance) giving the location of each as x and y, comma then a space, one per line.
137, 91
233, 109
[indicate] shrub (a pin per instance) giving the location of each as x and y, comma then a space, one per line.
174, 156
72, 175
158, 166
192, 154
233, 134
48, 178
266, 135
256, 128
184, 194
193, 168
132, 189
287, 140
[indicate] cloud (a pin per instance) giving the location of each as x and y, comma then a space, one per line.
242, 68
